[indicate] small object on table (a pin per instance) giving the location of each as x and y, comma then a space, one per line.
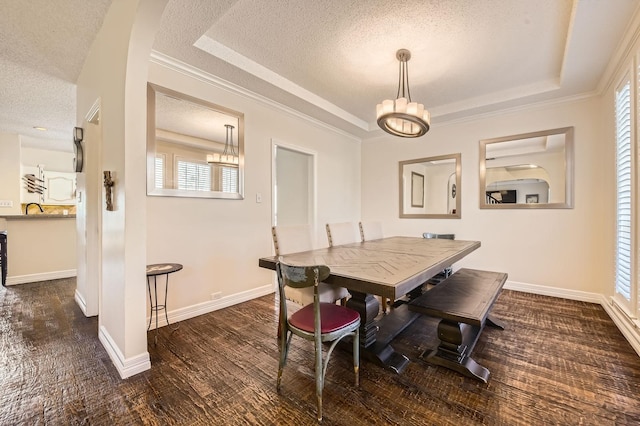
153, 271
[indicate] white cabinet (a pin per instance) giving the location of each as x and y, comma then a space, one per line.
60, 188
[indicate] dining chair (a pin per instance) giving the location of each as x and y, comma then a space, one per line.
446, 272
318, 322
373, 231
294, 239
342, 233
370, 231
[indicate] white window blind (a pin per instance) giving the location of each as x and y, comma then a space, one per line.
624, 190
159, 172
194, 176
229, 179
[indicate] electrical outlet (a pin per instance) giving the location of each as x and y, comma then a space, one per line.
217, 295
6, 203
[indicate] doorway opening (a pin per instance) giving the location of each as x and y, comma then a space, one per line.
293, 186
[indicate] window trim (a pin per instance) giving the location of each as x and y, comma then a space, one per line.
628, 306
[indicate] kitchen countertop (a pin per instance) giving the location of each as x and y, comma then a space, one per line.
37, 216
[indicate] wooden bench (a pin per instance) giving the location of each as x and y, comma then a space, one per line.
463, 302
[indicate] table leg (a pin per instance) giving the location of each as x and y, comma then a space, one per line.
375, 336
150, 302
156, 308
166, 291
457, 341
154, 303
368, 307
494, 322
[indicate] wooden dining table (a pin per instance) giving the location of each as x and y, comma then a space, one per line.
391, 267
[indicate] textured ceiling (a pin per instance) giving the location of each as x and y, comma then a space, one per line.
333, 60
43, 46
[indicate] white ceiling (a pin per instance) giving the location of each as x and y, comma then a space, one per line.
333, 60
43, 45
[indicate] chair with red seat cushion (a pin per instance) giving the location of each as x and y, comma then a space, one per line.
318, 322
294, 239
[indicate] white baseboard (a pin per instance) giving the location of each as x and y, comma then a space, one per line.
80, 302
44, 276
626, 327
126, 367
563, 293
129, 367
213, 305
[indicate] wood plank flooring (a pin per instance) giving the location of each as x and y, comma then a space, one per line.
558, 362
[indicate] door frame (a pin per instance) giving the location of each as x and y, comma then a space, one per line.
313, 199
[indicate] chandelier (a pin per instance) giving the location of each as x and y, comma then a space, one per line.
228, 157
402, 117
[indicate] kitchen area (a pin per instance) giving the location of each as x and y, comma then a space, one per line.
37, 211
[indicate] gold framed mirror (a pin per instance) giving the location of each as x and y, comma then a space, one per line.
527, 171
430, 187
194, 148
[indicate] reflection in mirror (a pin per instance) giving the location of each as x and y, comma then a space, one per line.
194, 148
532, 170
430, 187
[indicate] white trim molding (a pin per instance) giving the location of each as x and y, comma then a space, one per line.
628, 326
80, 301
200, 75
210, 306
126, 367
562, 293
44, 276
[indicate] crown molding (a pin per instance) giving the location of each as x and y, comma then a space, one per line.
198, 74
621, 56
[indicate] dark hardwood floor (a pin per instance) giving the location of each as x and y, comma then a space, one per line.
558, 362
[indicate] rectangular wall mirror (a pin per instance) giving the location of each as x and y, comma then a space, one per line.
531, 170
430, 187
194, 148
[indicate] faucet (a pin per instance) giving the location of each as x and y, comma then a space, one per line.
26, 209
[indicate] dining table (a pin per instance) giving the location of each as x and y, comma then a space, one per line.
392, 267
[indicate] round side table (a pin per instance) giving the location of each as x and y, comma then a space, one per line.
152, 272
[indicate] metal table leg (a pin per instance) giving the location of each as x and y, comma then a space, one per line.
154, 271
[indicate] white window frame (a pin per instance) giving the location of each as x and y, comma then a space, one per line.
629, 306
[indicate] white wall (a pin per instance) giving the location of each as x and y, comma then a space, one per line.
10, 172
56, 161
564, 249
40, 249
115, 73
219, 241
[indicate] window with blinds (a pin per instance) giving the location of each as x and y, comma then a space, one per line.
193, 176
623, 260
229, 179
159, 171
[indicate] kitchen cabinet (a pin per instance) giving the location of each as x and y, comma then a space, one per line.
60, 188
